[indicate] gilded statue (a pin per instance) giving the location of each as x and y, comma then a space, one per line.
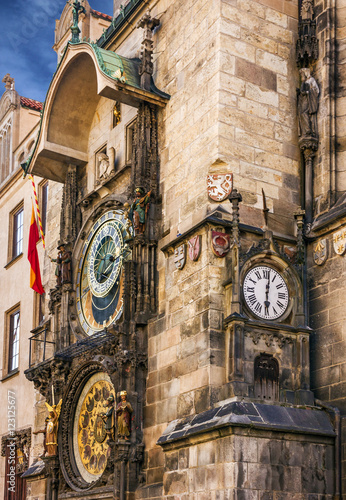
52, 429
124, 412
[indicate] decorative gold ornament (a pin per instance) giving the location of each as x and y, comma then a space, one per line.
116, 114
92, 443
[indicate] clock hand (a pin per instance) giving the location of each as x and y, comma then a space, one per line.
266, 302
112, 259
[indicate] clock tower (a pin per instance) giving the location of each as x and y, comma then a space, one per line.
267, 333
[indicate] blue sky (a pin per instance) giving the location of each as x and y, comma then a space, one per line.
26, 40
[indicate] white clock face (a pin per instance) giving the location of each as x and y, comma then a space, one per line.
265, 292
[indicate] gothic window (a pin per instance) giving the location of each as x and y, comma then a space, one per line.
16, 226
266, 377
13, 340
130, 136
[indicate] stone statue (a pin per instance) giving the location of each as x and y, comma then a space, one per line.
104, 167
123, 412
307, 105
63, 270
52, 429
139, 209
108, 416
307, 10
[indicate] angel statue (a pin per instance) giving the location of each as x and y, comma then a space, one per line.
52, 429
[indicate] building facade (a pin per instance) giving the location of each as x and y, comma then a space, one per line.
197, 235
21, 309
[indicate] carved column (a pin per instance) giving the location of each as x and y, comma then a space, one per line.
309, 149
52, 468
122, 456
70, 213
302, 313
307, 96
235, 198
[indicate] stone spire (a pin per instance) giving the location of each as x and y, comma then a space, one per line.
8, 81
146, 68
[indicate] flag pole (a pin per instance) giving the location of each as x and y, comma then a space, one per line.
37, 209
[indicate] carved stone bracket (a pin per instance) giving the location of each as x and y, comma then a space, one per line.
51, 372
270, 339
54, 299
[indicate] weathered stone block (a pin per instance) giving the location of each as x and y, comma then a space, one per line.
185, 404
206, 453
175, 483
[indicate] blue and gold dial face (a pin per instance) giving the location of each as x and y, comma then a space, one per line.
100, 277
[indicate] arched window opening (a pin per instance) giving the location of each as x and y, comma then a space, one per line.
266, 377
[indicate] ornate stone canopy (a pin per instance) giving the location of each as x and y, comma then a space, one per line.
85, 74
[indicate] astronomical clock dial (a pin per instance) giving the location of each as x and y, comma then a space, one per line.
90, 446
265, 292
100, 277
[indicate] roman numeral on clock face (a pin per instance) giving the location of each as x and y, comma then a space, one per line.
265, 292
258, 307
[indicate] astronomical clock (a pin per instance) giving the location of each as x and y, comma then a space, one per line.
107, 279
100, 277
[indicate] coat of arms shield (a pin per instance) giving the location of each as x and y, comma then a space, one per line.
194, 247
219, 186
320, 252
220, 243
180, 256
339, 241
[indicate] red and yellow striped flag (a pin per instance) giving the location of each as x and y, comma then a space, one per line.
35, 275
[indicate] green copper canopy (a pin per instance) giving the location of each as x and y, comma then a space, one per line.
118, 67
